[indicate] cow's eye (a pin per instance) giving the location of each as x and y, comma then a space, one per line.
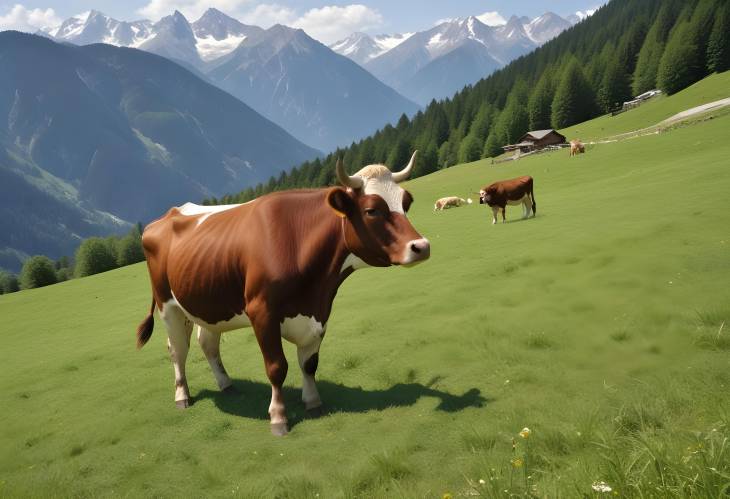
372, 212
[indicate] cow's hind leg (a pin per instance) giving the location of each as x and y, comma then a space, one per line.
308, 356
210, 344
526, 206
179, 329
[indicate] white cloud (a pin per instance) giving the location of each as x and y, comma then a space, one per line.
31, 20
493, 18
327, 24
266, 15
331, 23
192, 9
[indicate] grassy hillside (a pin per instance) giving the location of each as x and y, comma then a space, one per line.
600, 325
712, 88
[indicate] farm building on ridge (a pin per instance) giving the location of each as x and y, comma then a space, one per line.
535, 140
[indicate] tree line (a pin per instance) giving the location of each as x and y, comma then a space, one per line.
93, 256
624, 49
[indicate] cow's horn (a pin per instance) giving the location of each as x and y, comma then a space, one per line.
353, 181
405, 172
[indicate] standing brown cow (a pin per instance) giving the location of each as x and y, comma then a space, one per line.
576, 147
514, 191
274, 264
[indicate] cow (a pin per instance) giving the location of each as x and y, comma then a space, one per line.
450, 202
274, 264
576, 147
514, 191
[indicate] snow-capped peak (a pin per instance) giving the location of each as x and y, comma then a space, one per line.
361, 47
546, 27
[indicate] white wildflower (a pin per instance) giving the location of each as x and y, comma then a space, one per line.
602, 487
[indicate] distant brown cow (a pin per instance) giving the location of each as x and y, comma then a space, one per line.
577, 147
450, 202
515, 191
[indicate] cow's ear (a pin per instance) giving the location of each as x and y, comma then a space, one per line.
341, 202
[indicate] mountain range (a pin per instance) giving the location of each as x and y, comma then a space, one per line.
438, 62
283, 73
95, 137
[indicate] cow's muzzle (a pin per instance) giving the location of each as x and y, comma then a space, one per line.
416, 251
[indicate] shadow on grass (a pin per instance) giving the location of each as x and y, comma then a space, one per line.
252, 399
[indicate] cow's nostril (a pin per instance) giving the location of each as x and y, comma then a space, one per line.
415, 248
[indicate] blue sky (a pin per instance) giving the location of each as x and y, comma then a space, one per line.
326, 20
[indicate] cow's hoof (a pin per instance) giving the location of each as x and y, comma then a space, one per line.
183, 404
230, 390
315, 412
279, 429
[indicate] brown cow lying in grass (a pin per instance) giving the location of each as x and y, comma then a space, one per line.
577, 147
514, 191
450, 202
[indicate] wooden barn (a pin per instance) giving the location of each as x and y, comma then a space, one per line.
535, 140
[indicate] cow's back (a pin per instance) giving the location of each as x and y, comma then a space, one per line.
512, 189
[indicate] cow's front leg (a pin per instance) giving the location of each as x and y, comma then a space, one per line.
495, 212
268, 335
308, 360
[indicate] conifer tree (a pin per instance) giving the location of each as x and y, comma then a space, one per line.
614, 86
680, 64
427, 161
647, 65
574, 101
493, 146
718, 45
538, 107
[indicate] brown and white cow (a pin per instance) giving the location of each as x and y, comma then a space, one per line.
449, 202
273, 264
576, 147
514, 191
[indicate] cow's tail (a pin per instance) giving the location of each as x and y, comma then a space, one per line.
532, 196
144, 330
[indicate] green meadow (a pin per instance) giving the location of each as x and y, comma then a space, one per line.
602, 325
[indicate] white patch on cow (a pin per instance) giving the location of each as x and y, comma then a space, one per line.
379, 181
191, 209
302, 330
236, 322
354, 262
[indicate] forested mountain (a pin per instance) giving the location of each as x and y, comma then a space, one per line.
94, 137
322, 98
625, 47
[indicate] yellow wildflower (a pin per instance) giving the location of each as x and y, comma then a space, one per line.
517, 462
525, 433
446, 496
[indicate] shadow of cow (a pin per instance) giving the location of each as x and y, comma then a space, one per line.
252, 396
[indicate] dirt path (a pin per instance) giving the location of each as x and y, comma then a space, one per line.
697, 110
